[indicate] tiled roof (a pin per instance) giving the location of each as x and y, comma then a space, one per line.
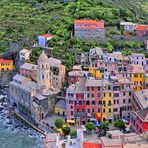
6, 61
93, 23
142, 27
47, 35
127, 23
29, 66
61, 103
141, 97
93, 83
54, 62
138, 54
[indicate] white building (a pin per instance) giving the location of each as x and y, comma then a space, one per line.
24, 55
128, 26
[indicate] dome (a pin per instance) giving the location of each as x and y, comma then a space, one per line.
43, 57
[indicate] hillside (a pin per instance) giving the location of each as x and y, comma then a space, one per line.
29, 18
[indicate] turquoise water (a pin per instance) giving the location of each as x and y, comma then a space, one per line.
14, 133
9, 139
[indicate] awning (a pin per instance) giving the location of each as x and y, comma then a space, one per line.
98, 115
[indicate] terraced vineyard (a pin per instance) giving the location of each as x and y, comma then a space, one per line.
28, 18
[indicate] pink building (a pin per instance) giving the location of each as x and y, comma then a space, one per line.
29, 70
126, 90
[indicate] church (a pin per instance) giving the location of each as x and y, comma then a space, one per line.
35, 100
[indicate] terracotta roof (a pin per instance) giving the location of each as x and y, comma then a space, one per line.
89, 144
47, 35
142, 27
6, 61
98, 24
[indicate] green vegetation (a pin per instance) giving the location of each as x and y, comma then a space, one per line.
119, 124
73, 134
90, 126
104, 125
59, 123
66, 129
29, 18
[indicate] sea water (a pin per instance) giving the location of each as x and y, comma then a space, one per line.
16, 134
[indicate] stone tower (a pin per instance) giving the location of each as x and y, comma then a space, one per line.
43, 73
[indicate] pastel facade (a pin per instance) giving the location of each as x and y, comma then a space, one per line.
89, 29
29, 70
6, 65
128, 26
24, 55
42, 39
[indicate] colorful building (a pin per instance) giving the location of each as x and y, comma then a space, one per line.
42, 39
138, 77
89, 29
6, 65
142, 31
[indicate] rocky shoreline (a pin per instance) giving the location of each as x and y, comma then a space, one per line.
15, 125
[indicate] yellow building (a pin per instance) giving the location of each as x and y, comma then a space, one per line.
6, 65
146, 80
107, 102
138, 76
96, 72
60, 107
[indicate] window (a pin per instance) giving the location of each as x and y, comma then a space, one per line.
72, 113
104, 95
87, 95
88, 110
42, 76
92, 95
109, 103
115, 109
87, 88
98, 88
71, 107
135, 75
87, 103
123, 93
99, 102
110, 94
99, 94
104, 102
129, 100
92, 88
77, 110
123, 100
70, 102
103, 110
93, 102
116, 94
93, 110
129, 93
109, 110
99, 110
114, 101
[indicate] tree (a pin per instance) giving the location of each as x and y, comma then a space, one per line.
90, 126
59, 123
73, 134
110, 48
66, 129
104, 125
119, 124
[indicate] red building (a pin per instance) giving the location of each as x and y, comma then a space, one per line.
139, 118
142, 31
140, 121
